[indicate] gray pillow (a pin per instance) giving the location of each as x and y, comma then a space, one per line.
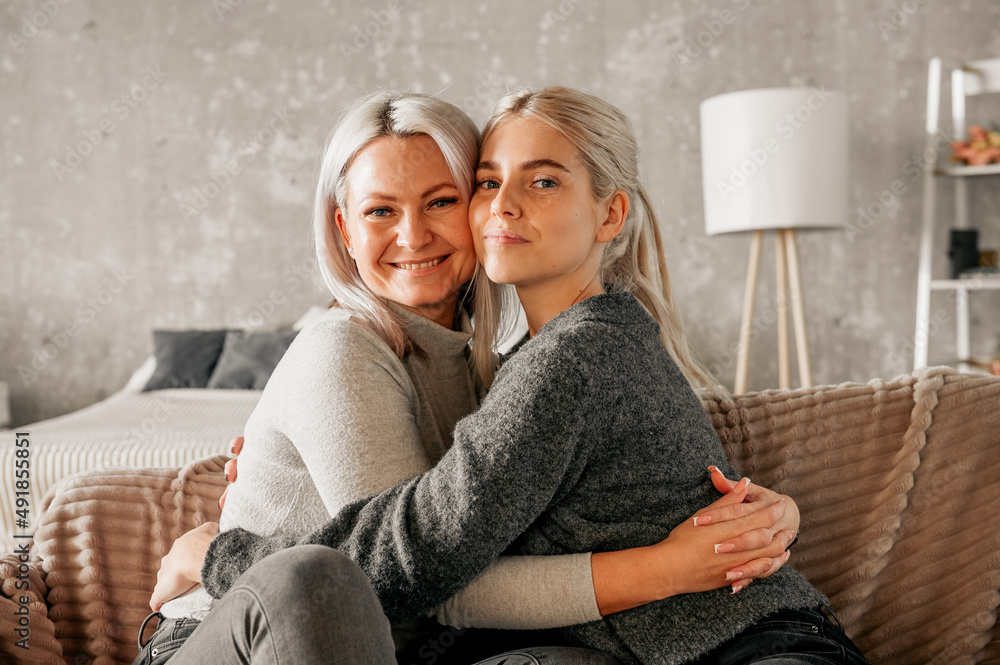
185, 358
248, 359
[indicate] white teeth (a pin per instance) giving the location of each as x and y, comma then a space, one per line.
417, 266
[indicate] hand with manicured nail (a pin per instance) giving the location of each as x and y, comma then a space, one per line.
783, 531
235, 446
732, 543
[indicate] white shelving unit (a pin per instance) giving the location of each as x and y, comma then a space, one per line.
973, 78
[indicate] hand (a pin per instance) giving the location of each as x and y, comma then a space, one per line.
180, 569
739, 542
789, 522
236, 445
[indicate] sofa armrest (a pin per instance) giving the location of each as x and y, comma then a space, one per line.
99, 541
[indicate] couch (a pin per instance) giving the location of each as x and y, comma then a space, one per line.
895, 480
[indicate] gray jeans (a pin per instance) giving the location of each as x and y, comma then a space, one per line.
306, 604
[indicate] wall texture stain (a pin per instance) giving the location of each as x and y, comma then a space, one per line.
157, 160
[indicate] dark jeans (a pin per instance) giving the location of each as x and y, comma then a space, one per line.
312, 604
789, 637
442, 645
167, 639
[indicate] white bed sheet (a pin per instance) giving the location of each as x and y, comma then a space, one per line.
162, 428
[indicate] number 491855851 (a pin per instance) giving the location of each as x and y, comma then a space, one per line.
22, 484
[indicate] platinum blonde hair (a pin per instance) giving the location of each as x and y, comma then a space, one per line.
400, 116
634, 261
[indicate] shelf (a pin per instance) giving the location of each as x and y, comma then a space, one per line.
962, 171
966, 81
971, 284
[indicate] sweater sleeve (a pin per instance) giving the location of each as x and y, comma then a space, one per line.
426, 538
526, 593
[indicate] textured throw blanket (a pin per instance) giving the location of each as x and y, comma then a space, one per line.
98, 545
896, 481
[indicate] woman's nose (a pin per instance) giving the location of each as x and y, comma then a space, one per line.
505, 202
412, 232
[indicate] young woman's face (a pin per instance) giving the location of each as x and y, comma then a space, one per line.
533, 217
408, 226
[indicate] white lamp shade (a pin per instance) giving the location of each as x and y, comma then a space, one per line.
774, 158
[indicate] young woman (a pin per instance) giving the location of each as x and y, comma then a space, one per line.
368, 396
591, 437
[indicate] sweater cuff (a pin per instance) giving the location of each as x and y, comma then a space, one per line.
584, 583
231, 554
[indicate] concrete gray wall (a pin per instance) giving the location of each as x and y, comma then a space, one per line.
117, 117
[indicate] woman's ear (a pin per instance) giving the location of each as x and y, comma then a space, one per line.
338, 218
617, 213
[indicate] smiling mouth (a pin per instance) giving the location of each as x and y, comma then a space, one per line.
418, 266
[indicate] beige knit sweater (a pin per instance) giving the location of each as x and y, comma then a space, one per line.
896, 481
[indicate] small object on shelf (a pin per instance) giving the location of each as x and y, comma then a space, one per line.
987, 258
963, 251
982, 148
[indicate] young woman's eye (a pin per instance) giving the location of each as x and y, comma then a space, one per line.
487, 183
545, 183
443, 203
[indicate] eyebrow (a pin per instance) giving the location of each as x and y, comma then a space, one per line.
390, 197
487, 165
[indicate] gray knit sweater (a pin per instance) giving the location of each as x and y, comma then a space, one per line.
590, 440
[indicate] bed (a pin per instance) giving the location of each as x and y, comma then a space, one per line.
137, 428
163, 428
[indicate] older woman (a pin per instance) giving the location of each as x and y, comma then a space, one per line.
369, 395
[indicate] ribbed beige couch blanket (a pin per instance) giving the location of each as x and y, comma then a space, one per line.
98, 544
896, 481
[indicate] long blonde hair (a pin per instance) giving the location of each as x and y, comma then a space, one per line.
634, 261
400, 116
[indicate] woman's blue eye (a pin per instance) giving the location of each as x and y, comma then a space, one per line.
441, 203
488, 184
378, 212
545, 183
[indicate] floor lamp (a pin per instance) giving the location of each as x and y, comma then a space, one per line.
775, 159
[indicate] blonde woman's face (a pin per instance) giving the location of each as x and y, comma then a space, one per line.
408, 226
534, 219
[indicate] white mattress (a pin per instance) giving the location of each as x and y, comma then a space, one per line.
162, 428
